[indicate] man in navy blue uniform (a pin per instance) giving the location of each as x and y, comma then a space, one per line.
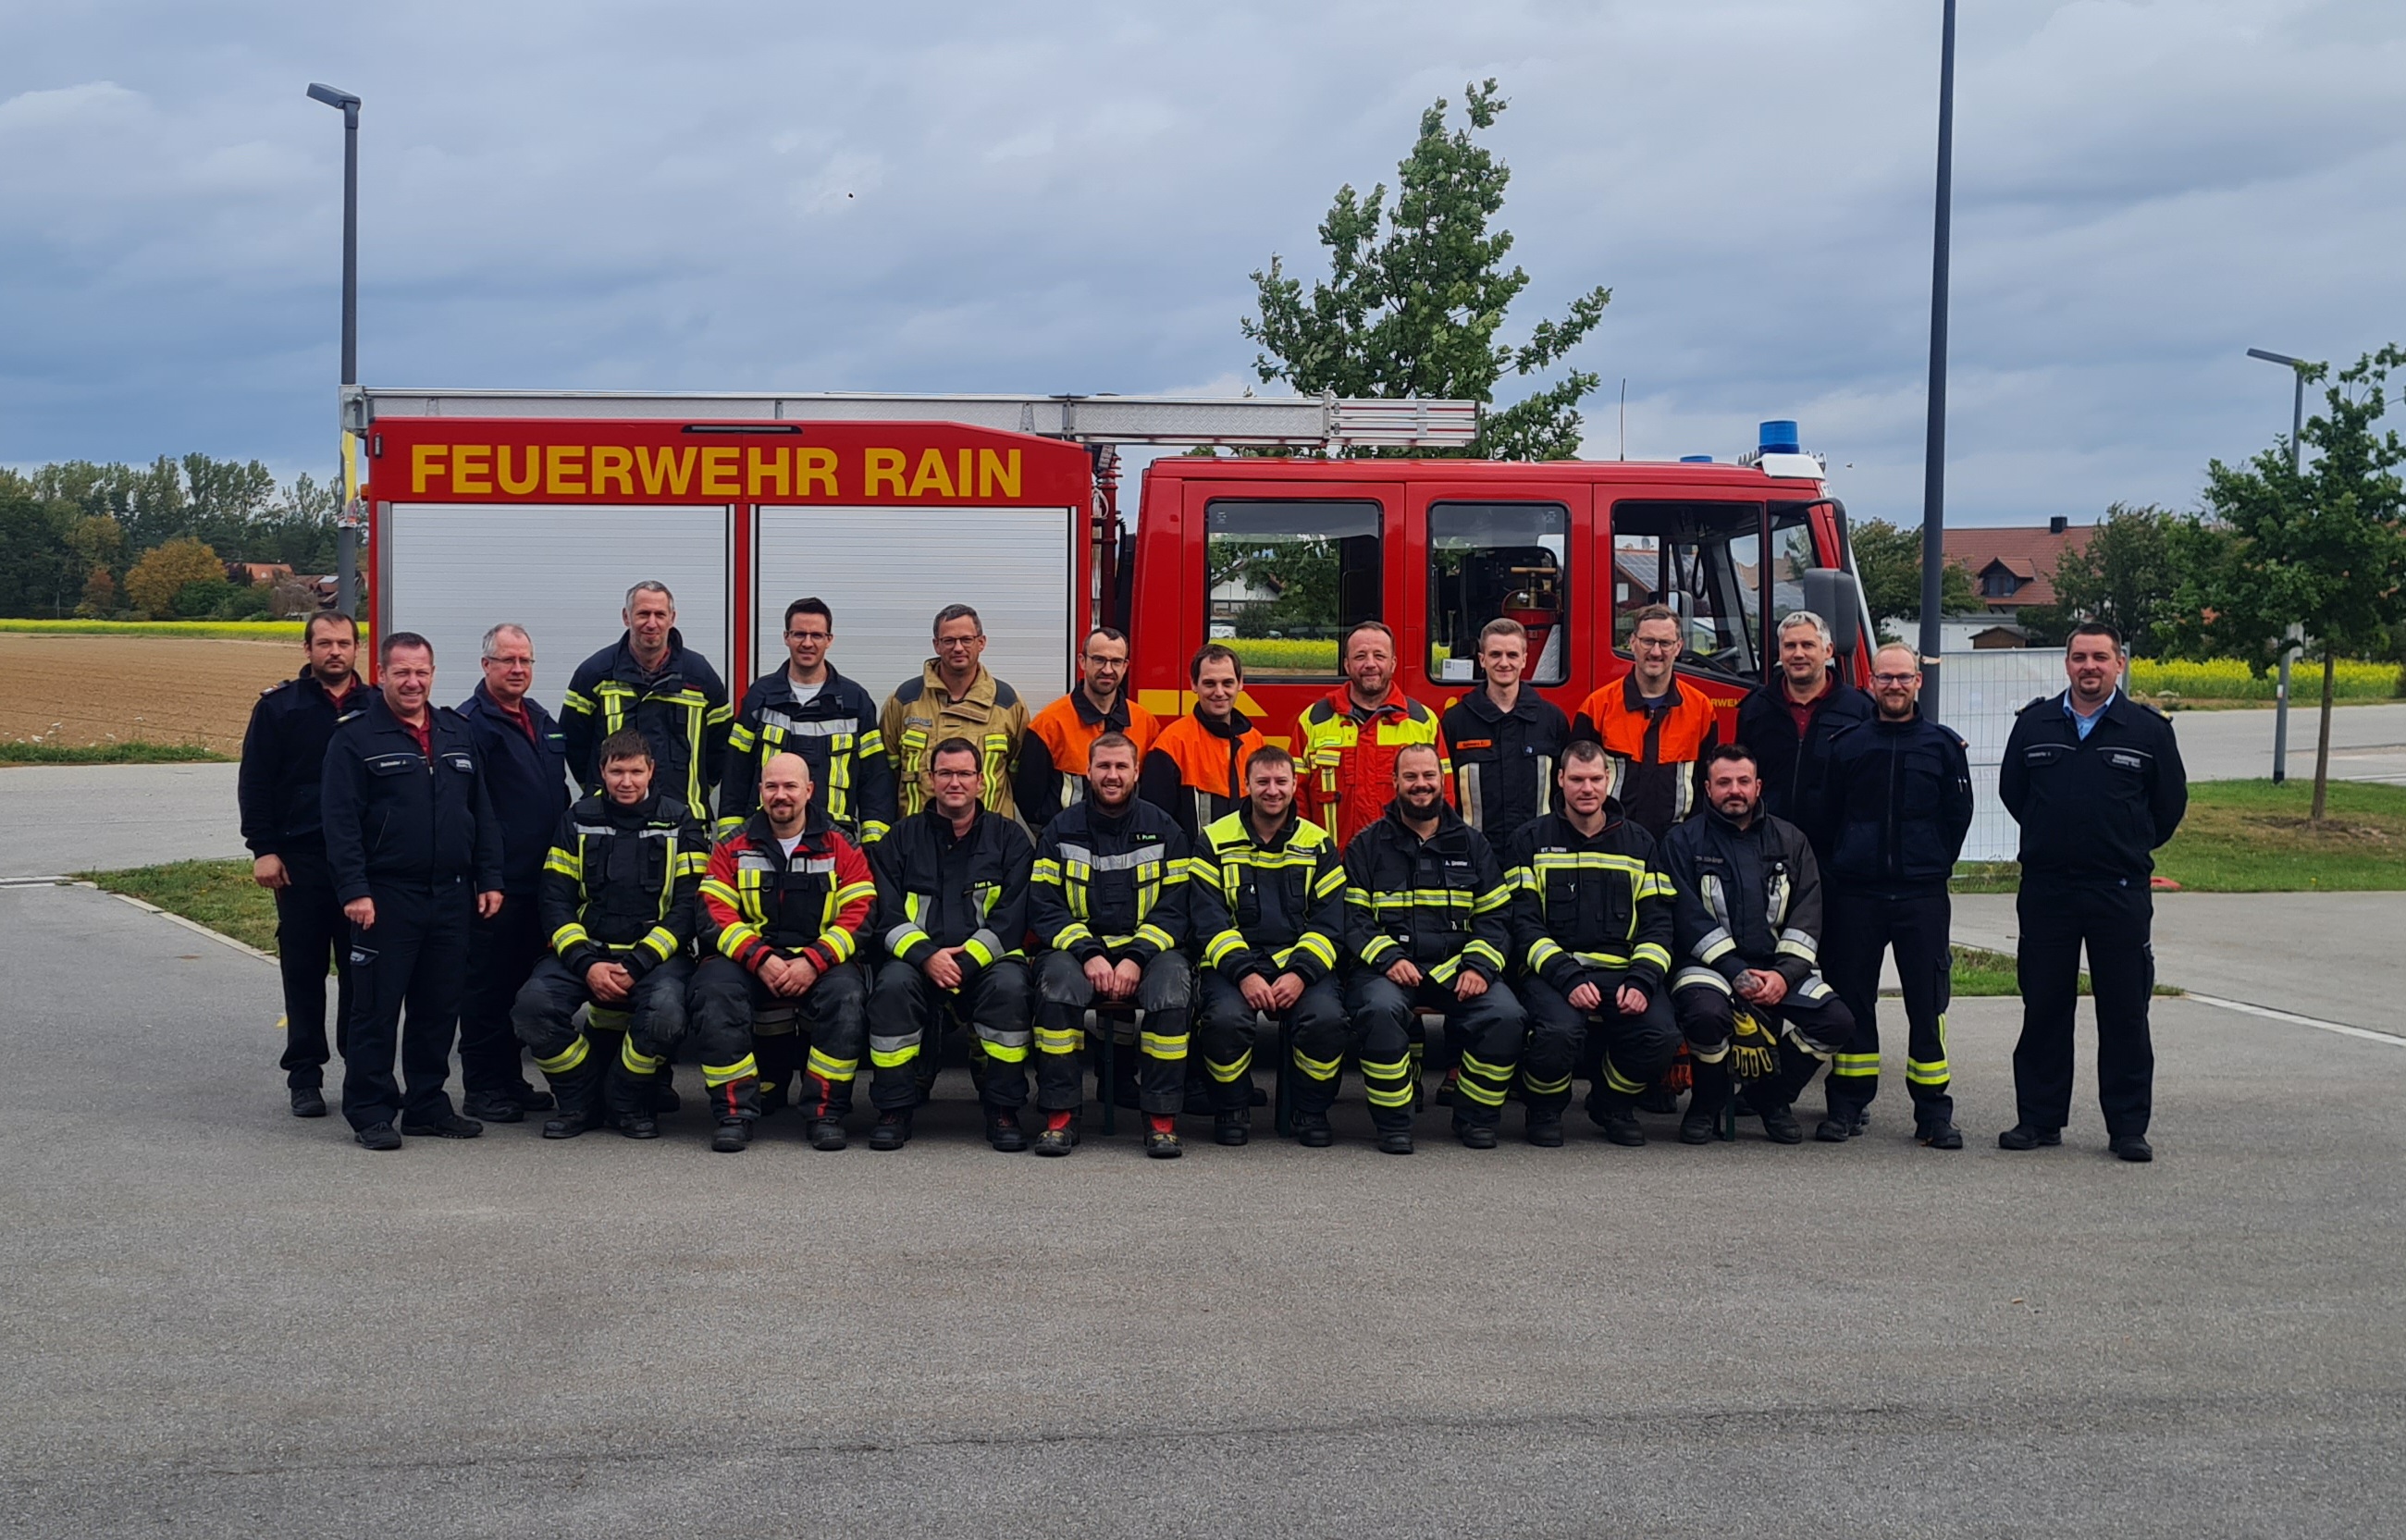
283, 759
525, 759
2095, 781
417, 858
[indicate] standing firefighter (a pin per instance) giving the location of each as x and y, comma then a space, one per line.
1504, 738
649, 681
1426, 922
1053, 757
805, 707
1109, 897
1748, 924
417, 857
1591, 926
2096, 781
783, 908
1196, 770
283, 763
1790, 720
1352, 738
1899, 796
952, 907
619, 894
1656, 730
1269, 913
954, 696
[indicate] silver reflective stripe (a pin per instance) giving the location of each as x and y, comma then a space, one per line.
1005, 1039
1473, 802
833, 727
895, 937
753, 861
819, 868
1715, 902
1129, 860
893, 1045
1545, 784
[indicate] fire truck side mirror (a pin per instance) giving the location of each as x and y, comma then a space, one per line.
1832, 594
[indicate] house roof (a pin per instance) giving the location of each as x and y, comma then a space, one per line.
2030, 552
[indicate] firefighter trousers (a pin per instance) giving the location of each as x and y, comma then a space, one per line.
1624, 1055
310, 927
1811, 1023
1165, 995
907, 1014
544, 1018
1384, 1027
501, 955
1224, 1031
2114, 917
405, 973
725, 997
1860, 928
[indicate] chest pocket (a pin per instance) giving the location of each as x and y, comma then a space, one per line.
395, 764
635, 864
461, 763
2040, 758
1924, 785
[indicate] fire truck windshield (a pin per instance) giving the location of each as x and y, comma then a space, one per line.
1706, 562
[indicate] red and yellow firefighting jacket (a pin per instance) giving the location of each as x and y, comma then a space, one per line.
759, 902
1347, 757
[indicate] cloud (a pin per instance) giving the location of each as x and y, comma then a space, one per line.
745, 195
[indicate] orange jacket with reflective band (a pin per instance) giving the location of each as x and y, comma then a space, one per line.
1052, 755
1196, 774
1654, 752
1348, 758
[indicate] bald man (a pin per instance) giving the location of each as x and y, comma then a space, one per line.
783, 907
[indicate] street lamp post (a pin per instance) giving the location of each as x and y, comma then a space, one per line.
347, 523
1934, 469
2288, 644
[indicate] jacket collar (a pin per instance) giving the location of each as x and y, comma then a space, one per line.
981, 692
1285, 830
480, 702
1237, 726
1116, 719
780, 685
309, 681
1614, 817
1482, 705
656, 807
625, 667
1340, 700
1447, 820
816, 826
1634, 701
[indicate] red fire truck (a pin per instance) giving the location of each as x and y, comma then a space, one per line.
541, 509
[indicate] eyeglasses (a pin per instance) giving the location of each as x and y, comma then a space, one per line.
810, 636
513, 662
952, 774
1894, 678
1650, 645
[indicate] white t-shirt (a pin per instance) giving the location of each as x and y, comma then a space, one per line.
788, 845
805, 694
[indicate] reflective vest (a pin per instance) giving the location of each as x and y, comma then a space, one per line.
835, 732
1348, 758
681, 711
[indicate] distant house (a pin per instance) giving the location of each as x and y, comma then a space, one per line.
2013, 567
250, 574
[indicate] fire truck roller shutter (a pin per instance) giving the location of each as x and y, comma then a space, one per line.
448, 570
885, 571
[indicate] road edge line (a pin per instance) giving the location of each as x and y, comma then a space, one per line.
2392, 1039
194, 926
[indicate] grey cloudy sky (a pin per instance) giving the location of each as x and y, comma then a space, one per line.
1065, 197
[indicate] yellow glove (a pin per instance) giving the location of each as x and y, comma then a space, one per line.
1754, 1052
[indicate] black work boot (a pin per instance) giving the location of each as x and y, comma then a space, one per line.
1544, 1128
1475, 1136
2023, 1136
1840, 1125
576, 1096
626, 1103
1003, 1132
1395, 1138
893, 1130
1161, 1137
1233, 1126
1312, 1132
827, 1134
450, 1125
733, 1138
1702, 1124
1779, 1124
1060, 1135
1941, 1135
309, 1101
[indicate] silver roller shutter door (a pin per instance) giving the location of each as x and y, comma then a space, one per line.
885, 571
450, 570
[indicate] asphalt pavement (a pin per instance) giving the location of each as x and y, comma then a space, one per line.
216, 1319
56, 819
2368, 743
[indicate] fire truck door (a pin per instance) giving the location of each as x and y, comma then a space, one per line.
450, 570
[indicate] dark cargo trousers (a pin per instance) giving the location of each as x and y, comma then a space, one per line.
2114, 917
1861, 929
309, 929
1624, 1055
501, 955
1166, 996
405, 976
1382, 1030
833, 1011
1816, 1025
906, 1021
1225, 1029
544, 1018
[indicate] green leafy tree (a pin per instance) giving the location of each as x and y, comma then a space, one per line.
1888, 561
2124, 576
1416, 295
2322, 545
160, 576
39, 571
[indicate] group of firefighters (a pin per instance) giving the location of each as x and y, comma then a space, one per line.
1618, 895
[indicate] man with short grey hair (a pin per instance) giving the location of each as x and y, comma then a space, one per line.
1787, 721
525, 757
648, 681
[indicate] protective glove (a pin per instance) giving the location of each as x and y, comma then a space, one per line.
1754, 1052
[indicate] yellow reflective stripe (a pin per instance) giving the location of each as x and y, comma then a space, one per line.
841, 944
1225, 945
1494, 899
735, 938
693, 863
1543, 949
572, 701
567, 1058
636, 1060
1161, 1045
978, 949
1332, 881
1157, 936
712, 889
829, 1068
1050, 1039
1545, 1088
1315, 943
1228, 1074
1615, 1080
568, 863
1926, 1073
1650, 951
660, 941
1486, 953
567, 936
744, 1068
1378, 947
1318, 1069
850, 891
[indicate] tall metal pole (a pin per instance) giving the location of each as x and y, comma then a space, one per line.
347, 522
1933, 470
2296, 633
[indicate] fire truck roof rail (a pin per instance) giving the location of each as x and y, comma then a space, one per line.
1296, 421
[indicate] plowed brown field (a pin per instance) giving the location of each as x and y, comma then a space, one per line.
80, 690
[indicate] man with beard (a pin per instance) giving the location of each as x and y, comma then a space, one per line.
1747, 921
1052, 755
1352, 737
1426, 920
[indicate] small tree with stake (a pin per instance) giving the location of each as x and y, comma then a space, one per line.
2322, 545
1415, 297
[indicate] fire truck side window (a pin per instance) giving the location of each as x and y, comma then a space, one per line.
1283, 580
1703, 559
1498, 560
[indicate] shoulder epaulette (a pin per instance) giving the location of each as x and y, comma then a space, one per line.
911, 689
1004, 695
2035, 704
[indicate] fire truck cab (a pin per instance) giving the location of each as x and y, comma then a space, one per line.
542, 509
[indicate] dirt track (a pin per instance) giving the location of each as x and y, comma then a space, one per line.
163, 689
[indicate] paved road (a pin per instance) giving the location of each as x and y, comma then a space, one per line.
62, 818
2368, 744
2334, 956
218, 1319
